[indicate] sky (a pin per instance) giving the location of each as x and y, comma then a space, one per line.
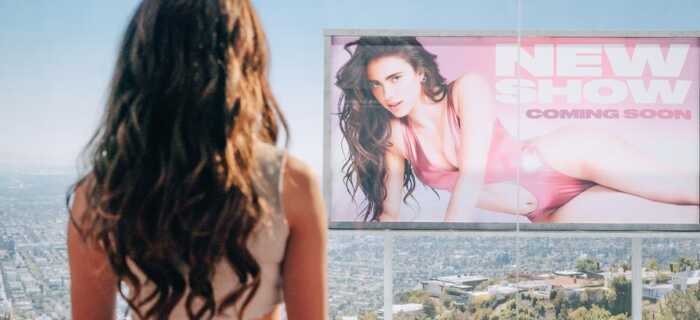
56, 57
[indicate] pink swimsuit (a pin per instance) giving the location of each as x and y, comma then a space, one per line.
551, 188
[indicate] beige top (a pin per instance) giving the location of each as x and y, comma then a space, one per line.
267, 244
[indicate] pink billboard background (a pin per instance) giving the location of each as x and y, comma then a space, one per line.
546, 84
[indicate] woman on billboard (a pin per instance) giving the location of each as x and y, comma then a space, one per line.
401, 119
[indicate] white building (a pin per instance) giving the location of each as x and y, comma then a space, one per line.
409, 308
459, 285
538, 288
656, 291
568, 273
683, 280
464, 280
501, 291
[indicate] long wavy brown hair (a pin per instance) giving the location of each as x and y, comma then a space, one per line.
171, 166
365, 123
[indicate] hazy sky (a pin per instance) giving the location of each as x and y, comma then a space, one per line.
56, 56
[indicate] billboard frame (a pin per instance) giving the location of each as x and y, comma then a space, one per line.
328, 34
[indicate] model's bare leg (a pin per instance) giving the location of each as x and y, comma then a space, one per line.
603, 205
613, 163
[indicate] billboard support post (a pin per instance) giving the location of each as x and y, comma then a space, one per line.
636, 278
388, 274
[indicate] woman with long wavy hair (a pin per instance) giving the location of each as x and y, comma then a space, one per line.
188, 210
401, 119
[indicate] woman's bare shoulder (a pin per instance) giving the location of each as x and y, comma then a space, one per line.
301, 195
468, 90
78, 201
470, 82
296, 173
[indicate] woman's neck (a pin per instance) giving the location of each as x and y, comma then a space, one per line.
427, 114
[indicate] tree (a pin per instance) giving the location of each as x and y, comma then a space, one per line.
414, 296
481, 314
510, 311
583, 298
588, 265
430, 309
558, 299
679, 305
541, 308
688, 263
621, 300
652, 264
368, 316
595, 313
626, 266
684, 263
663, 277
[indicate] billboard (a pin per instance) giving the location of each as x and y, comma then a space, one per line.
499, 130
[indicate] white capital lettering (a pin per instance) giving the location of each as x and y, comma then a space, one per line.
539, 64
624, 65
572, 91
618, 91
578, 60
659, 89
509, 89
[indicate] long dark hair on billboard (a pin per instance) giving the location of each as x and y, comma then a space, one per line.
365, 124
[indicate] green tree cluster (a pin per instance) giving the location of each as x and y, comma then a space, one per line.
685, 263
594, 313
620, 298
413, 296
587, 264
679, 305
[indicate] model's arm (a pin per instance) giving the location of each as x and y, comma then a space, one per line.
393, 182
93, 284
472, 100
304, 270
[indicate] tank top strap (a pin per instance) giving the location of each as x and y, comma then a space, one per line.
453, 121
451, 110
271, 166
409, 142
